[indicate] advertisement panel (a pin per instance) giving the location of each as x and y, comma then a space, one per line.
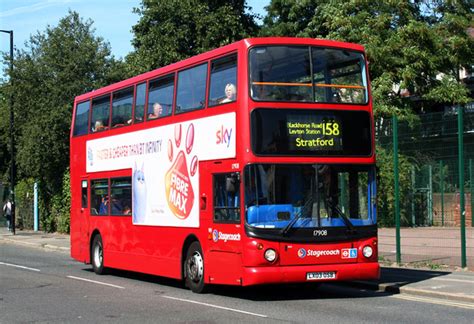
164, 162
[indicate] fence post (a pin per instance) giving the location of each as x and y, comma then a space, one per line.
35, 208
430, 195
441, 184
397, 194
471, 190
461, 185
413, 219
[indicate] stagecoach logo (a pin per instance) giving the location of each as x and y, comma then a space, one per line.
216, 236
301, 253
317, 253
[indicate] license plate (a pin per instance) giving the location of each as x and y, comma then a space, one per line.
321, 275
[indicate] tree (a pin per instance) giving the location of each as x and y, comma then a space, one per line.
57, 65
4, 137
172, 30
415, 50
414, 47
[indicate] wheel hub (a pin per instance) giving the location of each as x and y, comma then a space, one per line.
195, 267
98, 256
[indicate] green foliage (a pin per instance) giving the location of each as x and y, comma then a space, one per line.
4, 134
24, 196
408, 43
415, 51
60, 209
172, 30
386, 189
48, 223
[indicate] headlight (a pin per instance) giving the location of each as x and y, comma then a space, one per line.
270, 255
367, 251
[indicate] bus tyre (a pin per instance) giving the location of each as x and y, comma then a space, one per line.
194, 268
97, 255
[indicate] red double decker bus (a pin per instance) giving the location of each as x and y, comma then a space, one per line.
250, 164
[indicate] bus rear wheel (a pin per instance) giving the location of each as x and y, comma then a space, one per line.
194, 268
97, 255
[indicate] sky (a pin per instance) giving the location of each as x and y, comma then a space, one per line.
113, 19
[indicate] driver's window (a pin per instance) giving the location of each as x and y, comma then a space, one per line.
226, 197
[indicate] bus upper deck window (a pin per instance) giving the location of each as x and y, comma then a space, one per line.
82, 118
160, 97
122, 107
339, 76
280, 73
307, 74
191, 92
223, 86
140, 103
100, 114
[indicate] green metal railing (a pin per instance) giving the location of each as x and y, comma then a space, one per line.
430, 180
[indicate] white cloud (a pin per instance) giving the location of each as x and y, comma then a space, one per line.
34, 7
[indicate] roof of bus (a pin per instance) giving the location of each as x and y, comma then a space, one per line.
244, 43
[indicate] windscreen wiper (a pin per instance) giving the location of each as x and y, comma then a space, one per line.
345, 219
287, 228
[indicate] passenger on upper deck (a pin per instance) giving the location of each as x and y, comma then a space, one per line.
157, 111
230, 93
98, 126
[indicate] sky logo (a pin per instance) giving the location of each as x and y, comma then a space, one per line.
223, 136
301, 253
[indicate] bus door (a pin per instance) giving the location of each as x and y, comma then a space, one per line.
226, 230
82, 222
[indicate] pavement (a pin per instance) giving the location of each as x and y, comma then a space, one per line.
455, 286
431, 246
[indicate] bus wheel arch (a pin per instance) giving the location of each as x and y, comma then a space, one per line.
97, 253
193, 265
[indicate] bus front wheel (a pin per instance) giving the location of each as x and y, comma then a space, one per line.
97, 255
194, 268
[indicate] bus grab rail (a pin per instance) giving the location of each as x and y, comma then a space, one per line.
296, 84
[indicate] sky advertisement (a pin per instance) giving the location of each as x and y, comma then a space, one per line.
165, 162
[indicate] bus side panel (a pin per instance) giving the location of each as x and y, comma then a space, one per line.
224, 268
166, 267
78, 222
76, 239
148, 249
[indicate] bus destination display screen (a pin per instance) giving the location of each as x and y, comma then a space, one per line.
310, 132
314, 132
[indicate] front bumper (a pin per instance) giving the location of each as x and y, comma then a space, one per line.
293, 274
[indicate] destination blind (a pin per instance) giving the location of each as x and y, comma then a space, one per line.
311, 132
314, 132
